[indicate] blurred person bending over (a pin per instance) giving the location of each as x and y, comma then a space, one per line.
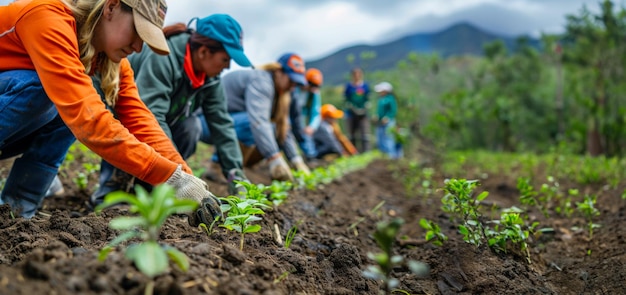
258, 101
304, 112
48, 51
356, 96
187, 79
329, 140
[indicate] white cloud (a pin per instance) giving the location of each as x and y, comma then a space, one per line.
316, 28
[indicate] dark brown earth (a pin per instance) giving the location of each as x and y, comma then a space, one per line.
56, 252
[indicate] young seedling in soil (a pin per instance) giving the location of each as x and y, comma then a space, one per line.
149, 256
528, 195
385, 236
459, 201
511, 228
433, 232
361, 219
255, 192
278, 191
209, 230
291, 234
587, 208
241, 214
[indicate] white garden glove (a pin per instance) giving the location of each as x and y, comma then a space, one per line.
279, 170
299, 165
193, 188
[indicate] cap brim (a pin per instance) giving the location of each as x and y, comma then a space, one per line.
238, 56
298, 78
338, 114
151, 34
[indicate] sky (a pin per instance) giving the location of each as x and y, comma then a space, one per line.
316, 28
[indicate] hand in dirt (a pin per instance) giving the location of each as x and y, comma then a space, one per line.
279, 170
207, 213
193, 188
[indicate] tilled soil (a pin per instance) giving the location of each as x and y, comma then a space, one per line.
56, 252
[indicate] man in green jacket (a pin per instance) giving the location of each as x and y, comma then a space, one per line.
187, 81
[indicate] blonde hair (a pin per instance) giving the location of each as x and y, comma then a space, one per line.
280, 108
87, 14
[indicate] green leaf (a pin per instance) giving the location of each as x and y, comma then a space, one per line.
419, 268
149, 258
128, 222
482, 196
115, 198
178, 257
125, 236
102, 255
252, 228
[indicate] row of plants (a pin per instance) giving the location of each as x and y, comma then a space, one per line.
240, 215
511, 227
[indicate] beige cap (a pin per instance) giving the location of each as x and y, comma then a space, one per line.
149, 16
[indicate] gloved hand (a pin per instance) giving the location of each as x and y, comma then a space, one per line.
193, 188
279, 170
235, 189
299, 165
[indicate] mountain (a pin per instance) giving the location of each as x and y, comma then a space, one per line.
459, 39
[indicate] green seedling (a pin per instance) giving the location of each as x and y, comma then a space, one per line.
461, 202
587, 208
385, 235
209, 230
565, 207
433, 232
528, 195
149, 256
255, 192
291, 234
549, 192
511, 228
624, 195
278, 191
241, 214
361, 219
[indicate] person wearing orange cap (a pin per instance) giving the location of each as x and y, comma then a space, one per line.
258, 100
329, 140
304, 112
49, 52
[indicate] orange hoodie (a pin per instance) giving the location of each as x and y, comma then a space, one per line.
40, 35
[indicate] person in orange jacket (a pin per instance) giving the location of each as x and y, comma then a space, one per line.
49, 51
329, 140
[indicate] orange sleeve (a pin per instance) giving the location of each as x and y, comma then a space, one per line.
345, 142
139, 120
48, 36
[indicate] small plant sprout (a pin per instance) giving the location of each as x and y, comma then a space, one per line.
291, 234
433, 232
528, 195
511, 228
587, 208
241, 214
385, 235
149, 256
460, 201
209, 230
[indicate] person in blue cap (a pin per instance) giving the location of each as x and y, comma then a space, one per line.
258, 101
187, 80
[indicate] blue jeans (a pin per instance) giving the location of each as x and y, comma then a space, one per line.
242, 129
385, 140
31, 126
